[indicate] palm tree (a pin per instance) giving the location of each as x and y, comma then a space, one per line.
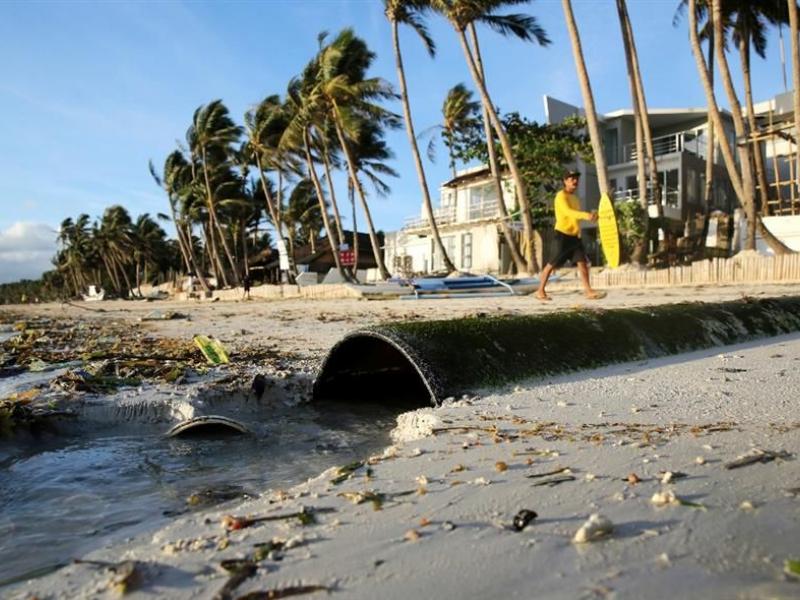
408, 13
348, 99
305, 110
511, 243
459, 115
265, 125
112, 239
148, 241
210, 136
370, 154
460, 14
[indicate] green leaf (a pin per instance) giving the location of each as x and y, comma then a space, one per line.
791, 566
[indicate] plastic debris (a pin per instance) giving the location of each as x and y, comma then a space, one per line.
523, 518
212, 349
596, 527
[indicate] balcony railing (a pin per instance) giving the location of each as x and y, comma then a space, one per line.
485, 209
671, 196
678, 142
443, 215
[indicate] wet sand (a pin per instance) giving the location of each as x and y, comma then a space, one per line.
433, 514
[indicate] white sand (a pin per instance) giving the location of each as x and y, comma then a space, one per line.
692, 413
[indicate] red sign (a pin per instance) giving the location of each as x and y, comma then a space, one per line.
347, 257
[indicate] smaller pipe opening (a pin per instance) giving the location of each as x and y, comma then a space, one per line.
365, 368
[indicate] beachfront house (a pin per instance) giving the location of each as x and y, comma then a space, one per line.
467, 214
468, 221
680, 143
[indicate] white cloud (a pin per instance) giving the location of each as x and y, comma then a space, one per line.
26, 250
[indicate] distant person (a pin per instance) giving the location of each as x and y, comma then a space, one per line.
246, 284
567, 244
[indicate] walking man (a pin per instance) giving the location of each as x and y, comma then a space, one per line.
567, 244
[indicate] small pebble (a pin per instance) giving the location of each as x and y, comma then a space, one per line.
500, 466
412, 535
747, 505
664, 498
700, 460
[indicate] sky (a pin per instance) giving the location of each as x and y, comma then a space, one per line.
91, 91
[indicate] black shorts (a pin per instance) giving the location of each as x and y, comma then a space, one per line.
566, 247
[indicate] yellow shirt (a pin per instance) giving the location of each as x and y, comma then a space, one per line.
568, 213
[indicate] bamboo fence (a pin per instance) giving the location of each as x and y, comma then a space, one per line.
782, 268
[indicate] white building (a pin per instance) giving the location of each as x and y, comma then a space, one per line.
467, 218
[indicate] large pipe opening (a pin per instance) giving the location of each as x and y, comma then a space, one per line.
371, 368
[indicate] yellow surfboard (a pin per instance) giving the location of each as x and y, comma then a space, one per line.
609, 234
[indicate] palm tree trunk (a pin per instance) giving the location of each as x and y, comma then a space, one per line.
748, 200
245, 254
274, 210
181, 241
216, 224
511, 243
647, 132
588, 99
139, 277
352, 195
755, 146
376, 249
337, 219
794, 25
708, 195
321, 199
412, 140
197, 268
125, 275
639, 250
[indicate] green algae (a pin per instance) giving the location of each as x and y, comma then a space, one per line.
461, 355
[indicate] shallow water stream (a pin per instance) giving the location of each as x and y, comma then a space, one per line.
61, 497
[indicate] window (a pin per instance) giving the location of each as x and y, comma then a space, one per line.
482, 201
466, 251
611, 145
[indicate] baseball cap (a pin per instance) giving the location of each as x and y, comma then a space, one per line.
571, 173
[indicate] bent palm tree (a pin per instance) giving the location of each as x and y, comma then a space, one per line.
407, 13
209, 137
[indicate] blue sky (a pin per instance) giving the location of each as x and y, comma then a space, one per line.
90, 91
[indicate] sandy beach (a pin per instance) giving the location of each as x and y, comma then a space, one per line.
649, 446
